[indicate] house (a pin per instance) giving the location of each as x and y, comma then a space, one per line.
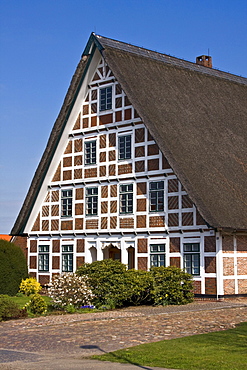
146, 163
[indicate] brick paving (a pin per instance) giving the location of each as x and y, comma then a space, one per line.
79, 335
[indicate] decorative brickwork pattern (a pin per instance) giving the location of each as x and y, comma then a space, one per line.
140, 151
229, 286
199, 219
209, 244
153, 149
33, 246
33, 262
113, 191
210, 265
102, 157
79, 193
55, 246
36, 226
66, 225
141, 205
92, 224
153, 164
78, 173
141, 188
55, 210
228, 266
104, 192
227, 243
78, 209
68, 149
113, 206
140, 166
173, 202
173, 219
187, 219
104, 207
197, 287
142, 263
165, 164
44, 279
139, 135
126, 223
78, 160
127, 114
102, 171
210, 286
78, 145
175, 261
112, 170
90, 172
54, 225
67, 161
57, 175
80, 245
113, 222
141, 221
112, 139
242, 286
142, 245
55, 196
79, 223
186, 202
105, 119
174, 245
79, 261
45, 211
241, 243
156, 221
103, 222
55, 262
172, 185
242, 265
67, 175
124, 168
112, 155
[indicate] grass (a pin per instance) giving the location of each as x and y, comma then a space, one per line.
224, 350
22, 300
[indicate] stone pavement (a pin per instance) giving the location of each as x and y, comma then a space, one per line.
65, 341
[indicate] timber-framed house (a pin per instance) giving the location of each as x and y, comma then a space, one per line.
146, 164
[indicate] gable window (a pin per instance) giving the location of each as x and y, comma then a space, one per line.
67, 258
90, 152
91, 201
66, 200
156, 196
43, 258
192, 258
124, 147
126, 198
105, 98
157, 255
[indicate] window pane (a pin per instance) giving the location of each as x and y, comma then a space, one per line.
156, 196
124, 144
106, 98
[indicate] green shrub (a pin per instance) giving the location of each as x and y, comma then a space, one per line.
30, 286
9, 309
106, 278
139, 285
13, 268
171, 285
37, 305
69, 290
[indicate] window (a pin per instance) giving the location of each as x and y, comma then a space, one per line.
105, 98
156, 196
43, 258
192, 258
124, 147
90, 152
126, 198
157, 255
67, 258
91, 201
66, 199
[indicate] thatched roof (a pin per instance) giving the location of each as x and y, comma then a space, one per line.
198, 117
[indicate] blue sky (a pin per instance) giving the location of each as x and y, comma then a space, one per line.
41, 42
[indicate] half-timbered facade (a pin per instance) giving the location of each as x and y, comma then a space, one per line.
108, 185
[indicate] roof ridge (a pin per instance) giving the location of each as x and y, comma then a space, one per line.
162, 57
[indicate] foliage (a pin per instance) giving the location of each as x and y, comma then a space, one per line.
30, 286
69, 289
37, 305
171, 285
106, 278
9, 309
224, 350
139, 285
13, 268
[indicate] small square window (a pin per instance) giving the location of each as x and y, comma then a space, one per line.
106, 98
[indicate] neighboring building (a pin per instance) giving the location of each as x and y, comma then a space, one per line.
146, 163
5, 237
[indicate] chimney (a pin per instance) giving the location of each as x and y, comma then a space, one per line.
204, 60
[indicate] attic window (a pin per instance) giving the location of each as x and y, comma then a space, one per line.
106, 98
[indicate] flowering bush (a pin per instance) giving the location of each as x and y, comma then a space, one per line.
30, 286
70, 290
37, 305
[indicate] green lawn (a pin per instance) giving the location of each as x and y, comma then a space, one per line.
21, 301
223, 350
